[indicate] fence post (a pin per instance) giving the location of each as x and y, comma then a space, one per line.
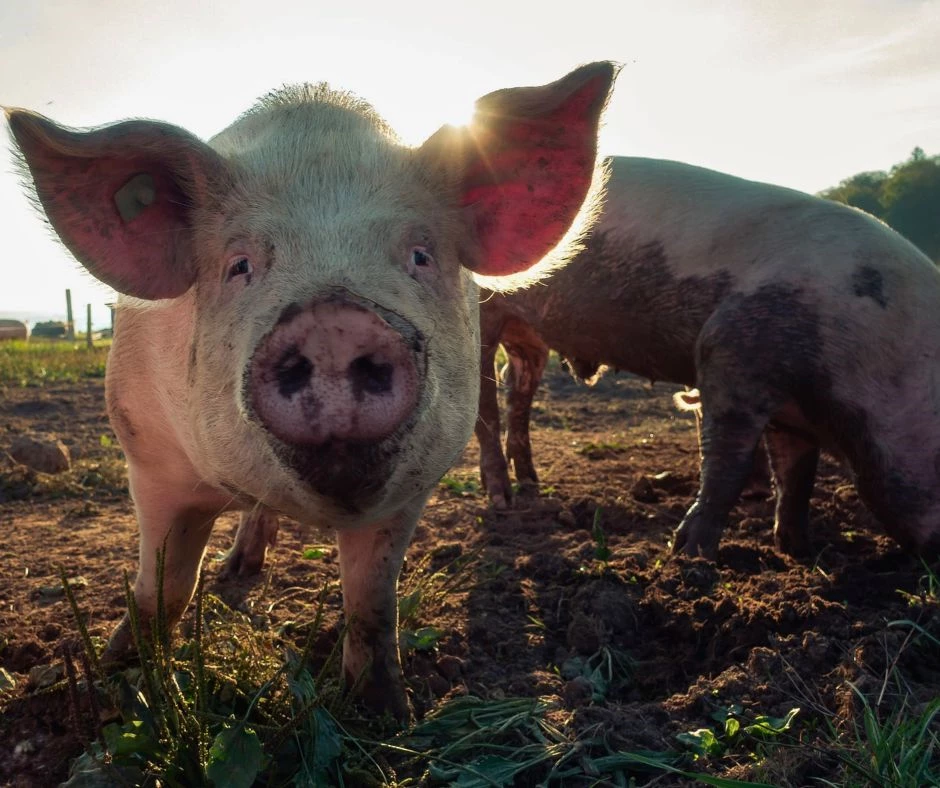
88, 343
69, 323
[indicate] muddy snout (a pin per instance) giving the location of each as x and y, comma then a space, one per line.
335, 372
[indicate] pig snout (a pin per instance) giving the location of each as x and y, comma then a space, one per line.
334, 372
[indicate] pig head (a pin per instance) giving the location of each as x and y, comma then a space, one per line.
298, 328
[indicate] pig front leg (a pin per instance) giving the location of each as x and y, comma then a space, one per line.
175, 519
370, 560
528, 364
494, 472
257, 530
793, 460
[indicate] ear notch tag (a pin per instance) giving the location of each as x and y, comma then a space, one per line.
135, 196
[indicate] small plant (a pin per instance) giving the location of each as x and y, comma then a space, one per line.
732, 734
601, 550
464, 487
608, 671
422, 588
929, 589
897, 750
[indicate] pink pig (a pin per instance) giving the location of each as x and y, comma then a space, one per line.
298, 326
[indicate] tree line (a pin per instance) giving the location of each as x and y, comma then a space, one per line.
906, 198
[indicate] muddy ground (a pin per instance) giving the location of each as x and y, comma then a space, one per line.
759, 629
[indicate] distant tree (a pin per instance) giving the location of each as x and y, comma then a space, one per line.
911, 199
860, 191
907, 198
50, 328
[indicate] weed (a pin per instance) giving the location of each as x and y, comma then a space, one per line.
421, 588
901, 750
608, 671
464, 487
601, 550
732, 734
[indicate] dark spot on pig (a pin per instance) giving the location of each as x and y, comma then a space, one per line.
764, 348
289, 313
867, 282
619, 304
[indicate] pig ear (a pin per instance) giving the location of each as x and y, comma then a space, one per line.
120, 197
525, 166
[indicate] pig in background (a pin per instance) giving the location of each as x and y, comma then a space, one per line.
299, 327
807, 322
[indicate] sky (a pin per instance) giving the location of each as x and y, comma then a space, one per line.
801, 93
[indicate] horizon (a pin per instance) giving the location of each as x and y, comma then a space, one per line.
797, 93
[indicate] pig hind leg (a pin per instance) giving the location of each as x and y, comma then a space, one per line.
742, 384
494, 471
729, 443
793, 460
528, 355
257, 531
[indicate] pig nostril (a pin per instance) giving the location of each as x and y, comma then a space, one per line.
293, 373
370, 376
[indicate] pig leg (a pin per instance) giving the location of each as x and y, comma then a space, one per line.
494, 472
729, 441
736, 408
793, 459
257, 530
177, 520
370, 560
528, 356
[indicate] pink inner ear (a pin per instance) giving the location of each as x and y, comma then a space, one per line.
528, 178
137, 256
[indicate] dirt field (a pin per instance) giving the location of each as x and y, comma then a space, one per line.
759, 630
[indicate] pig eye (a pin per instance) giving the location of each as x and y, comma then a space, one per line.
239, 266
420, 257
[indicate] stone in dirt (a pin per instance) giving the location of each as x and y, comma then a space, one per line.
43, 453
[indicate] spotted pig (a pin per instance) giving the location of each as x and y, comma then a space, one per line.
798, 319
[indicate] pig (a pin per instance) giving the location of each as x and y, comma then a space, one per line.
799, 319
298, 327
257, 531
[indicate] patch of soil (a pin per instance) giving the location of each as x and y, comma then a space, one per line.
757, 629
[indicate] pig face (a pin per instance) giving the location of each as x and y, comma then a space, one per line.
324, 273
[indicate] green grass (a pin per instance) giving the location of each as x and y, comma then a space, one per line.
40, 361
238, 706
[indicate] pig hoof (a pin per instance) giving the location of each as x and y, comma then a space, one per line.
390, 700
693, 542
794, 545
120, 650
499, 502
238, 566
